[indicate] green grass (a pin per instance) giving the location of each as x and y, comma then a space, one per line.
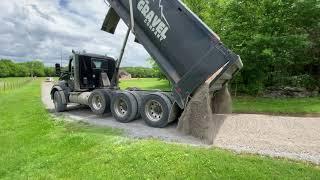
277, 106
8, 84
13, 79
146, 84
34, 146
244, 104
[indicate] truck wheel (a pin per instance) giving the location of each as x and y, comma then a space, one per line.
57, 101
124, 107
99, 101
137, 96
155, 110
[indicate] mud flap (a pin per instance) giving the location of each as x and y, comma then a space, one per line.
174, 112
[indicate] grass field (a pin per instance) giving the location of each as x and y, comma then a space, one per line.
245, 104
277, 106
146, 84
34, 146
8, 84
14, 79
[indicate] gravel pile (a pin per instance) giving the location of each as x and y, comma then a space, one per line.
201, 117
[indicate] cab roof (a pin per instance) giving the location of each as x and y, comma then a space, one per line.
94, 55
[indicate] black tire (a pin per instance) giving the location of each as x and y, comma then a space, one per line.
124, 107
57, 100
155, 110
99, 101
139, 101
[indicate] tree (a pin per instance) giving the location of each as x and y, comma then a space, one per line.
49, 71
36, 68
139, 72
4, 68
156, 69
278, 40
21, 70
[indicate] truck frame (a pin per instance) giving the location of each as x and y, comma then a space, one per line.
187, 51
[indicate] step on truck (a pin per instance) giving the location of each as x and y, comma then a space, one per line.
188, 52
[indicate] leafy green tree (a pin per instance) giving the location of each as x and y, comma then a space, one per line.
8, 68
49, 71
278, 40
36, 68
21, 70
140, 72
4, 69
156, 69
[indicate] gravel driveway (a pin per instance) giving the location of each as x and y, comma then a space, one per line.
277, 136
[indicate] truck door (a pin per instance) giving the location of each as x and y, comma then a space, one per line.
72, 75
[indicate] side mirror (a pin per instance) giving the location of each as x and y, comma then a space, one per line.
58, 70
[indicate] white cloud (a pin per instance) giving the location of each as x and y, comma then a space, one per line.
43, 29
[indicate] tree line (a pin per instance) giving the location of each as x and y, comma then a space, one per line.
141, 72
278, 40
8, 68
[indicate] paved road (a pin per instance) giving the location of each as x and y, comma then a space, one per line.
290, 137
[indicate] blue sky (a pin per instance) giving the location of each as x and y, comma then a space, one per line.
45, 29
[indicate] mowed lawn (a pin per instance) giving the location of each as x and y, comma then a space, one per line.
146, 84
35, 146
298, 106
293, 106
14, 79
7, 84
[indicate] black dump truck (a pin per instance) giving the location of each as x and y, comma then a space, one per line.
187, 51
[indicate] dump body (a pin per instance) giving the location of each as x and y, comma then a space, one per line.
186, 50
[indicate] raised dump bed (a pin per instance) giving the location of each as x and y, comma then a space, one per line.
187, 51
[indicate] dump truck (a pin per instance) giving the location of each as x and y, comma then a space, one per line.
188, 52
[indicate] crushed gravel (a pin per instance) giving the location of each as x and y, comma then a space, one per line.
290, 137
200, 118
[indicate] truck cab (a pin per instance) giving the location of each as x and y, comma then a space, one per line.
85, 73
88, 71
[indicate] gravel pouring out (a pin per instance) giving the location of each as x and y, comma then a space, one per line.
203, 115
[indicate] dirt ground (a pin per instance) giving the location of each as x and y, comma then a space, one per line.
276, 136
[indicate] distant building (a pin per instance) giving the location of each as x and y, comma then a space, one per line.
124, 74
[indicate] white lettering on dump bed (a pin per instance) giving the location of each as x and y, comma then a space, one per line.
157, 24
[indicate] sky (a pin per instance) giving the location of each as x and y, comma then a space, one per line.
46, 29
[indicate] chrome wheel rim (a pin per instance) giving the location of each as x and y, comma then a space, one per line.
154, 110
97, 102
121, 107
